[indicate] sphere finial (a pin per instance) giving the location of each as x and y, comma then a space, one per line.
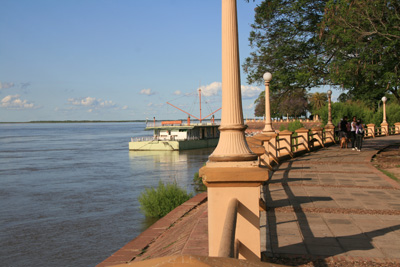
267, 76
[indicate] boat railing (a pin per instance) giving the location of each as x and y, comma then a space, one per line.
153, 138
150, 124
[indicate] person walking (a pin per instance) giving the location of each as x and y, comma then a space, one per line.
353, 132
343, 128
359, 135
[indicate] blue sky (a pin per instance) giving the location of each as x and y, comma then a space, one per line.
114, 59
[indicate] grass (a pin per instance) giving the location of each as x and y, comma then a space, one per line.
389, 174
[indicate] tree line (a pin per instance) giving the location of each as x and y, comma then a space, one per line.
351, 45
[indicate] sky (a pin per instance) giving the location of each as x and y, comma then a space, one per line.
115, 59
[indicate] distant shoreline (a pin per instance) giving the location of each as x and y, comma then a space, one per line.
72, 121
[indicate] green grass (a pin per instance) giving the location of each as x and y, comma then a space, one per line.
389, 174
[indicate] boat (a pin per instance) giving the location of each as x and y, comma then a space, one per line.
178, 134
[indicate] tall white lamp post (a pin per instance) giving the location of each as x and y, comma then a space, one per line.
384, 99
384, 124
268, 123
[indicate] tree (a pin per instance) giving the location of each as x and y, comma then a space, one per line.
364, 38
317, 101
292, 102
286, 41
351, 44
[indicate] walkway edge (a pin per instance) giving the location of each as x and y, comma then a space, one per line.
138, 245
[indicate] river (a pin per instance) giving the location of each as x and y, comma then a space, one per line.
68, 191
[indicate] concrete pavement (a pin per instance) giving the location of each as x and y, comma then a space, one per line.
333, 205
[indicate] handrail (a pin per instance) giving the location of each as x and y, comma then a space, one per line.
227, 247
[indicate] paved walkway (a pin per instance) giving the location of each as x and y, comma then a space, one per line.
332, 204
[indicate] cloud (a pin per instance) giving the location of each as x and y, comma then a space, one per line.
91, 102
214, 88
146, 92
250, 91
177, 92
14, 102
211, 89
250, 106
6, 85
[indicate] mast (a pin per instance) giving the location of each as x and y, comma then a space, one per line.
200, 104
201, 118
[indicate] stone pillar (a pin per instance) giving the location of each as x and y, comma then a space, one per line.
397, 128
316, 137
371, 130
232, 171
302, 139
285, 143
330, 133
232, 144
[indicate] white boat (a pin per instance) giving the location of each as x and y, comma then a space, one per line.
179, 135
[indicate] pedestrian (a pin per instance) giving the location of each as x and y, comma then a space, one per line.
353, 132
343, 127
359, 135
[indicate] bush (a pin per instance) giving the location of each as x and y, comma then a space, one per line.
159, 202
282, 128
294, 125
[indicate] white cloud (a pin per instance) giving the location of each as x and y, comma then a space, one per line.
92, 103
251, 106
177, 92
211, 89
125, 107
214, 88
14, 102
250, 91
146, 92
6, 85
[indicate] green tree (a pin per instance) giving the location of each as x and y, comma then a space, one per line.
317, 101
363, 36
282, 103
351, 44
286, 42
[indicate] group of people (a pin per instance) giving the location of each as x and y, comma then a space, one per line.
353, 130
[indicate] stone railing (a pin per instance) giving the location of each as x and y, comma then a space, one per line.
233, 192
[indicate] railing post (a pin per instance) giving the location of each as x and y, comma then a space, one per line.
302, 139
316, 137
397, 128
384, 128
371, 130
285, 143
330, 134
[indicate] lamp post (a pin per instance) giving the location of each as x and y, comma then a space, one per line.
268, 123
384, 99
329, 108
384, 124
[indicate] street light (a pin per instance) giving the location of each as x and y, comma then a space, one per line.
384, 99
268, 123
329, 108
